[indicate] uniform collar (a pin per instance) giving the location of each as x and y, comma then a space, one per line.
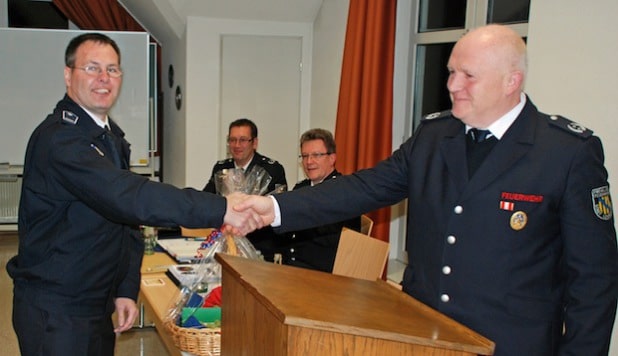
332, 175
92, 127
500, 126
97, 120
246, 166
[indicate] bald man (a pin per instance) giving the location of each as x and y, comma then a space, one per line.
510, 221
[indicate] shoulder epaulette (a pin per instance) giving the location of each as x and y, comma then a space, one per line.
437, 115
569, 126
223, 161
69, 117
268, 160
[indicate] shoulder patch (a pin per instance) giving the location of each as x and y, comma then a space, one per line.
569, 126
224, 160
69, 117
602, 202
437, 115
268, 160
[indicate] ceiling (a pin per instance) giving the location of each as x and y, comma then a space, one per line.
164, 17
268, 10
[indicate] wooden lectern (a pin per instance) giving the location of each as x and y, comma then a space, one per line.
271, 309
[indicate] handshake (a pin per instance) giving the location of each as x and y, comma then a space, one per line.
246, 213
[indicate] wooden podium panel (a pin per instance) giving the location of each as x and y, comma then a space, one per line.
273, 309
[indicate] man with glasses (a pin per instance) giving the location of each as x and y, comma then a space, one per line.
315, 248
242, 143
80, 249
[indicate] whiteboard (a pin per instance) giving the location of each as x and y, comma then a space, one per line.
32, 82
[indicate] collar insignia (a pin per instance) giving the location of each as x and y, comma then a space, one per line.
70, 117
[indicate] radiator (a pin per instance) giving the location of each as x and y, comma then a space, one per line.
10, 190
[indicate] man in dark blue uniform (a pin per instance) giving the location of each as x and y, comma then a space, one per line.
315, 248
510, 221
80, 249
242, 142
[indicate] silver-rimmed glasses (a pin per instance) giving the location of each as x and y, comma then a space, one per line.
314, 156
95, 71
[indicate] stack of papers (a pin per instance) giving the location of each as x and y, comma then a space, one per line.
183, 250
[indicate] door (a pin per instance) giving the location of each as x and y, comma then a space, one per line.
261, 80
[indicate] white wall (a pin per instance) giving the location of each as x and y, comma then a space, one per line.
191, 141
572, 50
328, 39
175, 147
4, 16
201, 94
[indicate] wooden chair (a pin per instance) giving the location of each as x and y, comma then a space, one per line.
366, 225
360, 256
202, 232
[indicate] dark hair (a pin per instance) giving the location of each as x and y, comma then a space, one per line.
69, 54
320, 134
244, 122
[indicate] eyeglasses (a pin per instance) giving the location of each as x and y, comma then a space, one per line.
314, 156
242, 140
95, 71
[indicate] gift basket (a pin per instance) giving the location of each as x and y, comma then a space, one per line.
194, 316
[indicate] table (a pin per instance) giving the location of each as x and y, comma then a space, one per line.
156, 293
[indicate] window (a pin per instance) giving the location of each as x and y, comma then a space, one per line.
429, 29
508, 11
438, 15
438, 25
35, 14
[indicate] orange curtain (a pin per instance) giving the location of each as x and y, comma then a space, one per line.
363, 131
103, 15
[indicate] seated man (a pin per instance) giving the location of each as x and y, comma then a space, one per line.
242, 142
315, 248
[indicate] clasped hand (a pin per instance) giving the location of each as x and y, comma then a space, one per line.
246, 213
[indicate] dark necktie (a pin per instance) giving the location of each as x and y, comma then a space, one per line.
479, 135
110, 141
478, 147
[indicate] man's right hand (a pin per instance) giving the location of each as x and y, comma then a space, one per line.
263, 206
243, 221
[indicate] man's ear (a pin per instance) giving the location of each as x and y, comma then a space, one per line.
333, 158
67, 76
514, 82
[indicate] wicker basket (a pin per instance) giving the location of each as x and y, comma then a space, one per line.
201, 342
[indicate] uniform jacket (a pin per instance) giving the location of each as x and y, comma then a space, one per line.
80, 206
314, 248
273, 168
523, 246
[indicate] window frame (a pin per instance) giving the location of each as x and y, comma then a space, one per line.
405, 115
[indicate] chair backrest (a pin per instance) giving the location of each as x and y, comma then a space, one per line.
360, 256
204, 232
366, 225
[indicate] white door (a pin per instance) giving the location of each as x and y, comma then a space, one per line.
261, 80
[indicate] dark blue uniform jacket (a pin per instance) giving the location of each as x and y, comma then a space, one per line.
314, 248
273, 168
514, 273
79, 246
